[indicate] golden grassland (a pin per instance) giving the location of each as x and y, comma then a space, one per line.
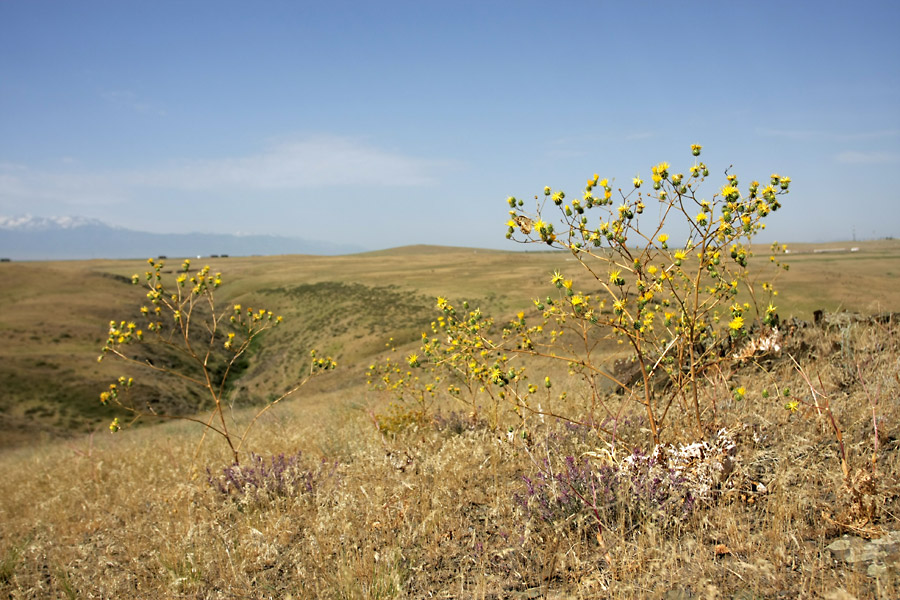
54, 315
435, 510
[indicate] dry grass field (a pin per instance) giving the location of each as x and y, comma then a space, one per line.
333, 507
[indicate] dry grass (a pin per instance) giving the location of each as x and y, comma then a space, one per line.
54, 315
433, 511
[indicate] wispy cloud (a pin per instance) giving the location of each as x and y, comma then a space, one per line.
131, 101
21, 189
314, 162
639, 135
814, 134
868, 158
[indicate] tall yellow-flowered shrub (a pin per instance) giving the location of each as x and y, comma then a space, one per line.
684, 308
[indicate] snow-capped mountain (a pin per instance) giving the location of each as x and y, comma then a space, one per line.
29, 223
60, 238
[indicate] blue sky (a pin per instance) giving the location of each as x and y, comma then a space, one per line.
389, 123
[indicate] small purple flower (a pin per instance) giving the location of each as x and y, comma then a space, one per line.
279, 476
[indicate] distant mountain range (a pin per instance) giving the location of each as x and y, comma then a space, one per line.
60, 238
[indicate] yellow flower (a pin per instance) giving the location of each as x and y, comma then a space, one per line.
557, 279
730, 193
638, 181
695, 149
736, 324
663, 238
701, 218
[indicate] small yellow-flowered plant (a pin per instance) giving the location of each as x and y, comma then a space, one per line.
214, 342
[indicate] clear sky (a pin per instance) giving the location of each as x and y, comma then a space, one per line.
387, 123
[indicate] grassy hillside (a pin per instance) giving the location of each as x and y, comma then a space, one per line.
449, 507
54, 315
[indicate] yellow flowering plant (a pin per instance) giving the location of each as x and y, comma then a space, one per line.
413, 396
675, 308
686, 312
458, 358
203, 345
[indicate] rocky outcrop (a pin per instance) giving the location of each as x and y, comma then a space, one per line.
879, 557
